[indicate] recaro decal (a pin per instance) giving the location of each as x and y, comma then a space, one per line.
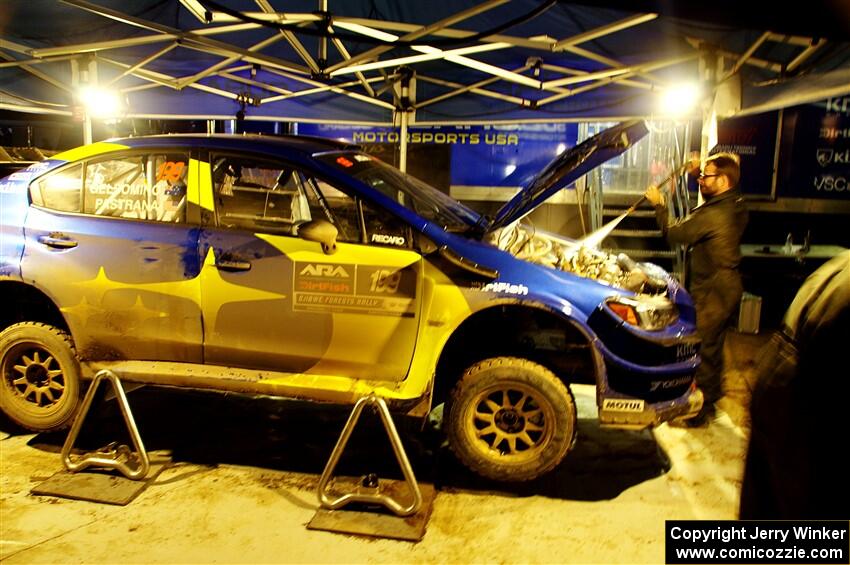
390, 239
360, 289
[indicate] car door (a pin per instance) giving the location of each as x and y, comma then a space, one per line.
109, 240
272, 300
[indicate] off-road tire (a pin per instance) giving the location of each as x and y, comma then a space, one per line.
510, 419
39, 376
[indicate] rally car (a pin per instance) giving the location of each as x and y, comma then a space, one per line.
306, 268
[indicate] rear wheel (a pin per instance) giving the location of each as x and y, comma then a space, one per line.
510, 419
39, 376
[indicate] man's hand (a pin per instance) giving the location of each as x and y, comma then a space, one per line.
693, 165
654, 195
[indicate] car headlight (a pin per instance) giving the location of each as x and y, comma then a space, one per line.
648, 313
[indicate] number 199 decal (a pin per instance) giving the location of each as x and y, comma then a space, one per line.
385, 281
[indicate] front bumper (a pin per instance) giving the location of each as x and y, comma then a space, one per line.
636, 414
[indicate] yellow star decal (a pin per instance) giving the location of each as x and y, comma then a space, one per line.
83, 310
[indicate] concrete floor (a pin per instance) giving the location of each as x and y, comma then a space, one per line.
242, 486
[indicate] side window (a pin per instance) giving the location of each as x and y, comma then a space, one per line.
381, 228
340, 207
258, 195
59, 191
144, 187
385, 229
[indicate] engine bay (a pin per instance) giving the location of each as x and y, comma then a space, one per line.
581, 258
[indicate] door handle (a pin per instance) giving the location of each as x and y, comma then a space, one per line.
232, 265
57, 241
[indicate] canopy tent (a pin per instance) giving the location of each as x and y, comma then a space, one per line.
386, 62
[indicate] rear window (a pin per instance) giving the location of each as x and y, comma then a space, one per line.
60, 190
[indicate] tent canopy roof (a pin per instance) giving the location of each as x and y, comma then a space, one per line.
479, 61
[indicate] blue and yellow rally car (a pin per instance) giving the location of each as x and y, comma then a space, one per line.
305, 268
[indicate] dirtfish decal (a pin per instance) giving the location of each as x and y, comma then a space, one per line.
505, 288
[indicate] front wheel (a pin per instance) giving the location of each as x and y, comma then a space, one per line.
510, 419
39, 376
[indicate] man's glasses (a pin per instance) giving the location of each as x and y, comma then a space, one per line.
705, 176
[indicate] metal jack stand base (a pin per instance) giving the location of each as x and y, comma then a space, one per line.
409, 520
100, 487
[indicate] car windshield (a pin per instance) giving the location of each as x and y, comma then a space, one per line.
410, 192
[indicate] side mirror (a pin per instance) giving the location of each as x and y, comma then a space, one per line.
321, 231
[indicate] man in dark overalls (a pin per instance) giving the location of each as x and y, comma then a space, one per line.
799, 407
713, 233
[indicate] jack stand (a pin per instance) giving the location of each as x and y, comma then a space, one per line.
112, 456
103, 487
409, 520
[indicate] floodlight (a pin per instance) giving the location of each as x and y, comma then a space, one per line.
100, 102
679, 99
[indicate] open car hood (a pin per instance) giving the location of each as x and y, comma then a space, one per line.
567, 167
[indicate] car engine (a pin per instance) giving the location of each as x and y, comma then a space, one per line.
585, 260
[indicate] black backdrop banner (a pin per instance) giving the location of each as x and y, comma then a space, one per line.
814, 156
753, 138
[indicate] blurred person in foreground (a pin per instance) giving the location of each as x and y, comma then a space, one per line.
713, 233
794, 467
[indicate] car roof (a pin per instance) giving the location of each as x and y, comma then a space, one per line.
299, 143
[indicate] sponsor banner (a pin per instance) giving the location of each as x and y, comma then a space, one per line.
815, 151
753, 138
358, 289
498, 155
